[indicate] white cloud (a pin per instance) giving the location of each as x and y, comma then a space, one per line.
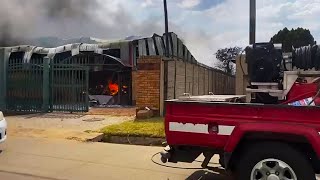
147, 3
189, 3
204, 32
228, 23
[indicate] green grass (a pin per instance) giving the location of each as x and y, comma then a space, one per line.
147, 128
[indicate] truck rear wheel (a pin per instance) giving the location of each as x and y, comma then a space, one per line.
273, 161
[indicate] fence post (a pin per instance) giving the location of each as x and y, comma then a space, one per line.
3, 79
46, 84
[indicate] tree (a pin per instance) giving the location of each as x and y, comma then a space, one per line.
293, 38
226, 59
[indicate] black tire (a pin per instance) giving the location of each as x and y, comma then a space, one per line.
274, 150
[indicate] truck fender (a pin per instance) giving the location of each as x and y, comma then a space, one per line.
309, 133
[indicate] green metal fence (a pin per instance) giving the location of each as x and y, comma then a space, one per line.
46, 85
25, 85
69, 87
69, 83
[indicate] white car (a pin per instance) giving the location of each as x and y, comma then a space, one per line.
3, 128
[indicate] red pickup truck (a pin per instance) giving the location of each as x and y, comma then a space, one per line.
254, 141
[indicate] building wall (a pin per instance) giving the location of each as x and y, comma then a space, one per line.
195, 80
180, 86
156, 80
133, 87
189, 78
201, 81
210, 74
146, 81
184, 77
241, 75
171, 79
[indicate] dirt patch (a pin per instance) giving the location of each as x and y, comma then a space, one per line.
60, 125
56, 134
112, 111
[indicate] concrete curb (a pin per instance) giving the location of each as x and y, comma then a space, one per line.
144, 141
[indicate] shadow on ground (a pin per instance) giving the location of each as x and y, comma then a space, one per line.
211, 174
54, 115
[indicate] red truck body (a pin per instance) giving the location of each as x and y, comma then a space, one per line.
260, 141
222, 126
234, 120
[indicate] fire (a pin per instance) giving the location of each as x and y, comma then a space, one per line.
114, 88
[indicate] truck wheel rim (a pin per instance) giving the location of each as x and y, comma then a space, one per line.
272, 169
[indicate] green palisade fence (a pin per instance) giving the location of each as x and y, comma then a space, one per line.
24, 85
42, 85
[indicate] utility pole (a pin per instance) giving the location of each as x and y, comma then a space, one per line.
165, 60
252, 28
166, 28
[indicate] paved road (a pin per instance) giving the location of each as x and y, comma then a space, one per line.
47, 159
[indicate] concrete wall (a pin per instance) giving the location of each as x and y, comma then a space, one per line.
241, 75
171, 79
185, 77
195, 80
180, 86
189, 78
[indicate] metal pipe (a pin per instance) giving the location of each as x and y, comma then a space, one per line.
166, 27
252, 28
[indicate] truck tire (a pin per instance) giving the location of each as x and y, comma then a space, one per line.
272, 160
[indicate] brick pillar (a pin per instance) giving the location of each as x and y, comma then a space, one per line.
147, 82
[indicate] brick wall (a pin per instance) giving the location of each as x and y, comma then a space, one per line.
146, 82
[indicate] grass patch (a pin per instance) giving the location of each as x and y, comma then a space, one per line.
91, 131
147, 128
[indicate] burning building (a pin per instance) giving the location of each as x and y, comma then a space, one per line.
119, 73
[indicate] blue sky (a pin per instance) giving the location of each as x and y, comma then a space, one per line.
204, 25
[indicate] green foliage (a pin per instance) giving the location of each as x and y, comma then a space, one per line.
227, 57
293, 38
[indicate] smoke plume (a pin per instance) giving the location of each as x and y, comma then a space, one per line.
21, 20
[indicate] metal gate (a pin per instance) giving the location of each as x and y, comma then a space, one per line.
43, 86
69, 86
25, 85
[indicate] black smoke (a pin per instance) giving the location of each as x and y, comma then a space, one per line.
22, 20
57, 9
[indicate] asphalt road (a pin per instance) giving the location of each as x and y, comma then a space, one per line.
47, 159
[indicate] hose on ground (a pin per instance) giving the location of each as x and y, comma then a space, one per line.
174, 167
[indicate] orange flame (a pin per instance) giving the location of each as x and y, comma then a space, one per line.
114, 88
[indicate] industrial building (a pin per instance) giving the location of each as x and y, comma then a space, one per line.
122, 73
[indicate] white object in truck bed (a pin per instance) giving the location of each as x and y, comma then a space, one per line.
212, 98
